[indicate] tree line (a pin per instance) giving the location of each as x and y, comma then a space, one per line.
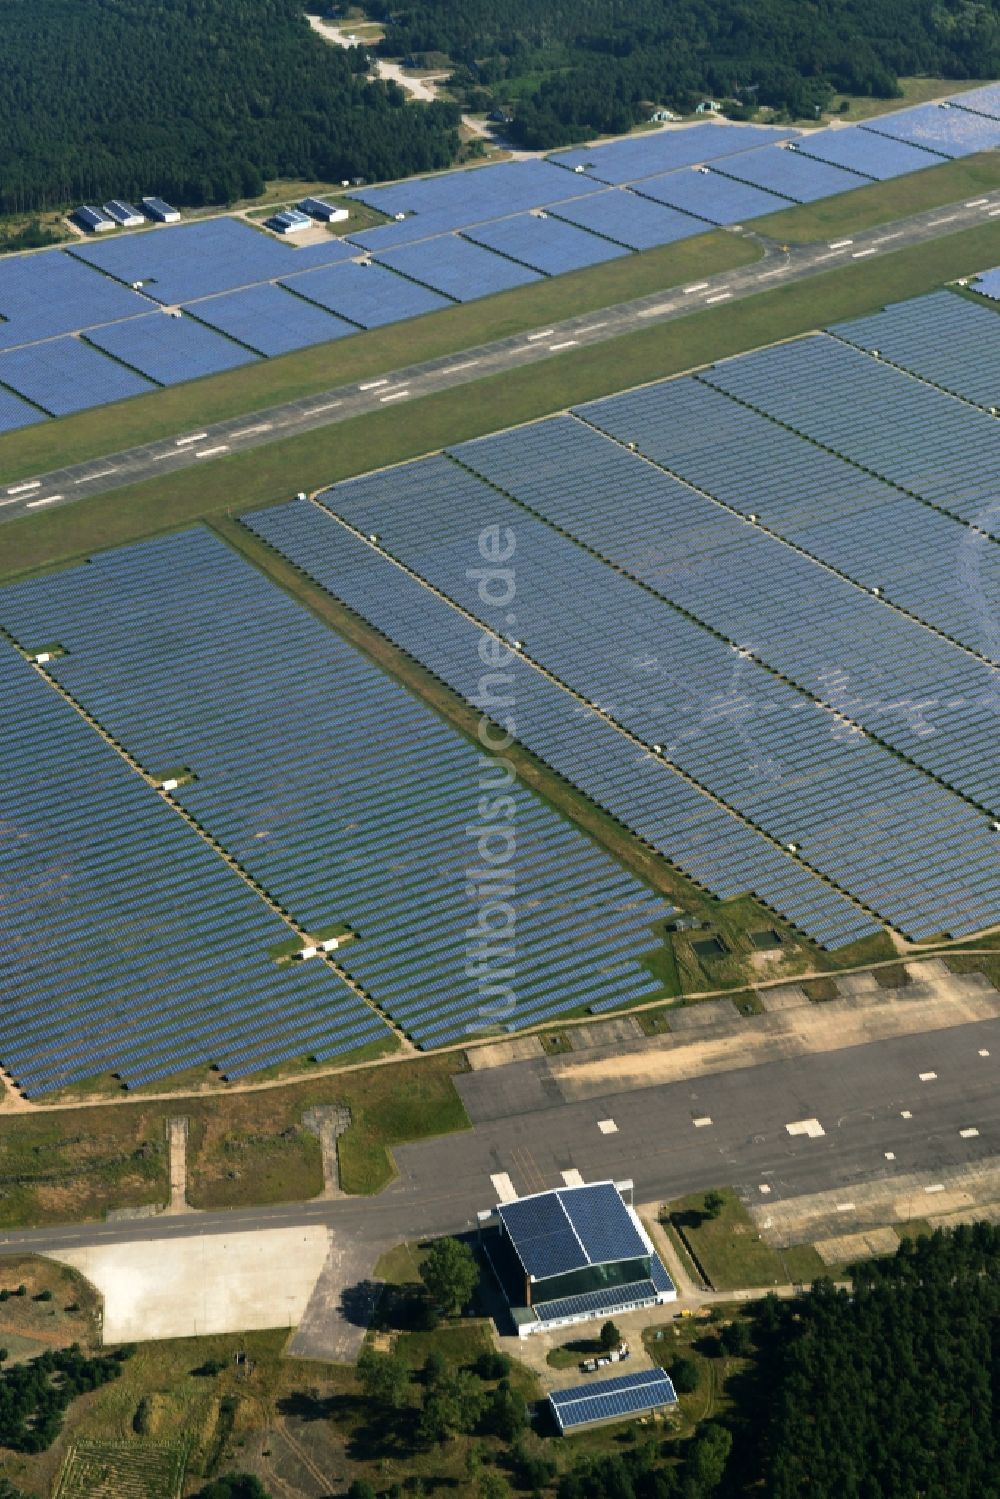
197, 100
572, 68
34, 1396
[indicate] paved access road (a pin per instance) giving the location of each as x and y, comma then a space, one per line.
868, 1100
777, 267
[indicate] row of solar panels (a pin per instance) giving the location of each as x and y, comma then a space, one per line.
520, 221
396, 844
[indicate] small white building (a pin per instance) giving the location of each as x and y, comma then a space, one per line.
289, 221
156, 208
319, 208
94, 220
124, 214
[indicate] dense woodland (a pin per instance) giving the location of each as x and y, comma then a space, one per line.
198, 100
570, 68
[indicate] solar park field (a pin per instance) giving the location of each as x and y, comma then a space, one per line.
756, 626
100, 322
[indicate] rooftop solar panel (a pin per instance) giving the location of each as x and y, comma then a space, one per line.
169, 349
545, 243
543, 1236
710, 196
639, 156
629, 219
367, 295
939, 127
269, 319
857, 150
457, 268
64, 375
602, 1223
612, 1399
178, 264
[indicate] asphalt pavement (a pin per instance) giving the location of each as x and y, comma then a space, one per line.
777, 266
931, 1101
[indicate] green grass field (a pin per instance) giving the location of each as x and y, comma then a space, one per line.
732, 1253
392, 435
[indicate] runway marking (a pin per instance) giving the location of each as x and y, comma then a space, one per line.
927, 1077
721, 296
592, 328
394, 395
572, 1177
326, 406
222, 447
977, 202
890, 1155
810, 1127
949, 219
567, 343
983, 1052
89, 478
655, 311
779, 270
885, 238
828, 255
993, 213
48, 500
703, 1122
698, 286
607, 1126
860, 254
24, 488
453, 369
905, 1114
504, 1187
252, 431
374, 384
545, 333
764, 1189
969, 1134
159, 457
845, 1207
9, 502
840, 244
937, 1187
182, 442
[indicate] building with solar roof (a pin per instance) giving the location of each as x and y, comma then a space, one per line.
640, 1394
572, 1254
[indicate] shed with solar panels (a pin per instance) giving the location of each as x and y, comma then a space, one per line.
573, 1254
644, 1393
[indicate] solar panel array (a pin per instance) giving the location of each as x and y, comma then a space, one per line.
612, 1399
985, 100
705, 839
595, 1303
545, 243
857, 149
368, 295
639, 156
188, 656
924, 440
940, 127
988, 284
169, 349
269, 319
65, 374
457, 268
946, 339
43, 295
711, 196
790, 174
186, 261
569, 1229
630, 220
454, 200
130, 946
15, 413
869, 663
847, 518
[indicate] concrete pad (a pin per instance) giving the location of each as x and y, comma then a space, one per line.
572, 1177
503, 1187
859, 984
186, 1287
703, 1015
502, 1053
810, 1127
843, 1247
783, 997
607, 1126
619, 1031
